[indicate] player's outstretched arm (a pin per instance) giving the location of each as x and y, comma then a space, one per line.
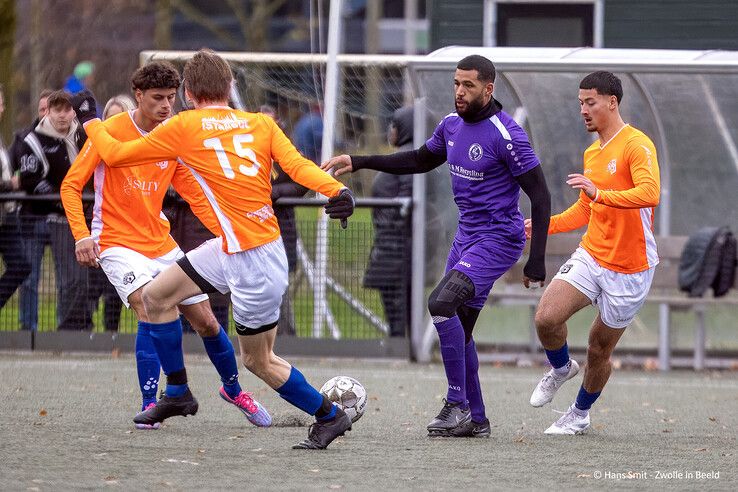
157, 145
86, 250
416, 161
534, 185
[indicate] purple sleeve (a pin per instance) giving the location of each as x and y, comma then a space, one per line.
517, 153
437, 143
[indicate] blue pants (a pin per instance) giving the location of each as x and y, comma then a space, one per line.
11, 249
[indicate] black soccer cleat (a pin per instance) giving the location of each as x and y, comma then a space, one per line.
472, 429
168, 406
448, 420
322, 433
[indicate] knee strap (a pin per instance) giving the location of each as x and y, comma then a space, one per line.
455, 289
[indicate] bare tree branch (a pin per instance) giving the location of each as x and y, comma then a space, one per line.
202, 19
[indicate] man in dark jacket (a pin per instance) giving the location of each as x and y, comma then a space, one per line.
45, 155
388, 270
11, 249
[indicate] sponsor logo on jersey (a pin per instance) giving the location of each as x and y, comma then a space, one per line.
162, 164
450, 143
128, 278
475, 152
466, 264
612, 166
230, 122
145, 187
462, 172
262, 215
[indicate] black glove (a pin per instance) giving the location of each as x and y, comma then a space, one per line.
85, 106
535, 269
341, 206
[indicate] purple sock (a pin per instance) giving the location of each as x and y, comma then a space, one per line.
473, 388
451, 335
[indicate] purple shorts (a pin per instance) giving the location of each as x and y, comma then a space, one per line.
484, 261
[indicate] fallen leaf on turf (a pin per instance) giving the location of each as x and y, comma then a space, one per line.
712, 419
584, 475
335, 486
315, 470
200, 451
701, 449
666, 431
256, 450
236, 437
109, 478
43, 412
659, 410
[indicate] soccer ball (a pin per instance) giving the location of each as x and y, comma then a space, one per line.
347, 393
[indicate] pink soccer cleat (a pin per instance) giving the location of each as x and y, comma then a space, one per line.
153, 426
253, 410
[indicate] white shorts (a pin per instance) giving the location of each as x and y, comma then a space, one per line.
617, 295
256, 278
129, 270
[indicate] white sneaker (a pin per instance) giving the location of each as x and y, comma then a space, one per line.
570, 423
550, 383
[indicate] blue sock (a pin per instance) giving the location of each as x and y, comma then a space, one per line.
451, 335
167, 338
330, 415
586, 399
297, 391
473, 388
220, 351
147, 364
558, 358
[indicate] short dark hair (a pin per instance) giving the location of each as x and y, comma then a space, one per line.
605, 83
60, 98
158, 74
484, 67
207, 76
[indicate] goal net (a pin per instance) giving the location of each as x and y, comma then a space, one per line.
370, 89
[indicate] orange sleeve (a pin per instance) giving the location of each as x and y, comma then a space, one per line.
573, 217
187, 186
644, 169
303, 171
71, 189
159, 144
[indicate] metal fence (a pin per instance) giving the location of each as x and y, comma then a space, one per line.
366, 273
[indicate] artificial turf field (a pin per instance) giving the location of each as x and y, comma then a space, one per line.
65, 423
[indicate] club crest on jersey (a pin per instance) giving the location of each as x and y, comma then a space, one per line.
128, 278
162, 164
475, 152
612, 166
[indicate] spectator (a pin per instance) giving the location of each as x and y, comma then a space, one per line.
45, 155
99, 283
81, 78
118, 104
284, 186
11, 249
308, 135
388, 269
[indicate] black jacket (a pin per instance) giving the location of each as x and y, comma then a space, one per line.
40, 176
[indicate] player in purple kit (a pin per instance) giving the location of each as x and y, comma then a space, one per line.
490, 159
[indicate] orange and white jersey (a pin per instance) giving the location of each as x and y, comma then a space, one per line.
230, 153
620, 218
128, 201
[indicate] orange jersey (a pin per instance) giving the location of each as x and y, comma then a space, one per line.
230, 153
128, 200
620, 218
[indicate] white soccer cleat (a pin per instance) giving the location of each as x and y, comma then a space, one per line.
550, 383
570, 423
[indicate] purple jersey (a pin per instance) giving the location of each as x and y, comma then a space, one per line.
484, 158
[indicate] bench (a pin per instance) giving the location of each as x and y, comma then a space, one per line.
664, 292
